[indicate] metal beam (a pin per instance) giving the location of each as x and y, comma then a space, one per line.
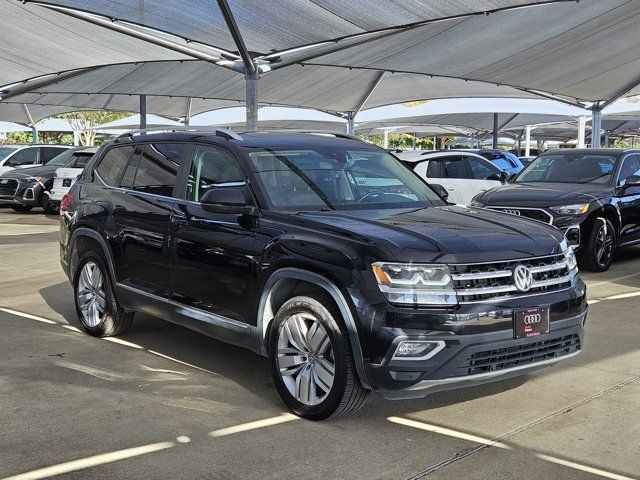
187, 113
527, 140
369, 92
143, 112
30, 85
582, 132
140, 35
596, 126
622, 91
249, 65
32, 124
351, 123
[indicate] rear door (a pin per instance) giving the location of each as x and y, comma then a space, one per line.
142, 213
213, 254
452, 173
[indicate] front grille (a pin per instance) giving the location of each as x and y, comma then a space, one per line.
518, 355
494, 281
8, 187
533, 213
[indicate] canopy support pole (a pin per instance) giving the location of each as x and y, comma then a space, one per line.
76, 138
596, 126
187, 114
606, 139
582, 132
494, 143
251, 99
385, 141
527, 141
351, 123
414, 141
32, 124
143, 112
435, 143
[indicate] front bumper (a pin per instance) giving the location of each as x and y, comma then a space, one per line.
28, 194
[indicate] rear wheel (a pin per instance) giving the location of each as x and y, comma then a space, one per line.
96, 305
21, 208
597, 253
311, 360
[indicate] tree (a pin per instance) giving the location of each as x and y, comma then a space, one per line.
83, 122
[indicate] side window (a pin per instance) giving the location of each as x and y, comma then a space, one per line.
482, 170
113, 164
157, 168
80, 161
433, 170
454, 167
48, 153
630, 166
212, 167
502, 163
26, 156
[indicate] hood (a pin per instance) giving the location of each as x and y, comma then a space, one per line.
450, 234
542, 194
38, 171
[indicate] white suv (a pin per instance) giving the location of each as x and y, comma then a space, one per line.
462, 174
21, 156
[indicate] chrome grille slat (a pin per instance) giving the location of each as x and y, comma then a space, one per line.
494, 281
538, 214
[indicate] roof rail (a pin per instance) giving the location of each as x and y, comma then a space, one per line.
317, 132
220, 132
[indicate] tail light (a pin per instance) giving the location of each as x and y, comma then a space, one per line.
65, 203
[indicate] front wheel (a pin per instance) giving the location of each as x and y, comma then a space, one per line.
96, 305
311, 360
597, 253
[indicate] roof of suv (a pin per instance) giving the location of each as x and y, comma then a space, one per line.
595, 151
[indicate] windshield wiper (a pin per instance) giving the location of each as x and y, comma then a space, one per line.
596, 178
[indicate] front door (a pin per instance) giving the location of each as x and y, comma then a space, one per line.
213, 255
629, 201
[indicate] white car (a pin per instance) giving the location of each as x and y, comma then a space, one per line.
66, 176
22, 156
462, 174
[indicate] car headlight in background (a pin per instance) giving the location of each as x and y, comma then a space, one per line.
576, 209
415, 284
31, 179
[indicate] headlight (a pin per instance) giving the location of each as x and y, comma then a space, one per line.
475, 203
410, 284
31, 179
577, 209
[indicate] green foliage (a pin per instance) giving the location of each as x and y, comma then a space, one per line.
83, 121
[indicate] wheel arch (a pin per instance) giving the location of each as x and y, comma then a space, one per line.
87, 236
289, 279
609, 212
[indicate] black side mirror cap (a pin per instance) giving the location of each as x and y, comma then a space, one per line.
632, 181
440, 190
227, 200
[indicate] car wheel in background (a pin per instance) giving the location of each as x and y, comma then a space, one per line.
311, 360
597, 253
47, 206
21, 208
96, 305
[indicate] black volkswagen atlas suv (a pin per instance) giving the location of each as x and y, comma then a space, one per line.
593, 195
323, 253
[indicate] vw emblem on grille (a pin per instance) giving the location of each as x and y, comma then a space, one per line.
523, 278
512, 212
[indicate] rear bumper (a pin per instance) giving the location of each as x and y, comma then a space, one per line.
469, 360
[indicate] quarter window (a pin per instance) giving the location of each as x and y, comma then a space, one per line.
113, 164
212, 167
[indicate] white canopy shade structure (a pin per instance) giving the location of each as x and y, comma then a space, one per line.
340, 60
8, 127
276, 118
473, 142
132, 122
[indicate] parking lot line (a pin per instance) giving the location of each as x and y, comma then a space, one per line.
583, 468
28, 315
93, 461
267, 422
119, 341
447, 431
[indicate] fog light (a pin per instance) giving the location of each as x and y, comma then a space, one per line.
417, 350
573, 236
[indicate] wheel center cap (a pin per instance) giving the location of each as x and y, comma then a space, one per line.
311, 358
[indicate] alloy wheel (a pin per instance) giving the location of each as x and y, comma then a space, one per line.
305, 358
91, 294
604, 245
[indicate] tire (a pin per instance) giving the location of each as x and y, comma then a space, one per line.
21, 208
45, 203
592, 256
307, 338
92, 286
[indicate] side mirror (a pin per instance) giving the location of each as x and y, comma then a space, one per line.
440, 190
498, 177
632, 181
227, 200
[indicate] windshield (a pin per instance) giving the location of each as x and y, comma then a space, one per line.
59, 160
330, 178
6, 151
569, 168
